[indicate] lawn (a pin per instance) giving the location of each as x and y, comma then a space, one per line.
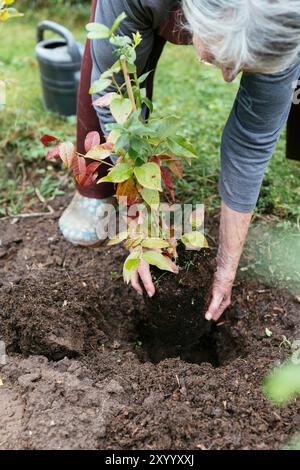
198, 96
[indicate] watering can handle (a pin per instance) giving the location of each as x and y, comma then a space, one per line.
72, 45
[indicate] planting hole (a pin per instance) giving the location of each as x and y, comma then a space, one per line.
216, 347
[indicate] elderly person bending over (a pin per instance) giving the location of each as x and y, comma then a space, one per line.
260, 38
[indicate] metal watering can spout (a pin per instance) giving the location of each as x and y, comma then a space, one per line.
60, 62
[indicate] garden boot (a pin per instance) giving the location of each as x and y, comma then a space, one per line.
82, 223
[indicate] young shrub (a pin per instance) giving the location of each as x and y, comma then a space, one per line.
150, 154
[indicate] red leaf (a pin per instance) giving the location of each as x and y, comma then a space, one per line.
67, 153
167, 178
154, 160
176, 168
166, 198
92, 167
53, 153
91, 140
108, 146
79, 166
90, 179
46, 139
85, 174
91, 173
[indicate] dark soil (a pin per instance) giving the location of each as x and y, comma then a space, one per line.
172, 322
92, 365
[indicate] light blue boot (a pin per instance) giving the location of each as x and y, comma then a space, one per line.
81, 223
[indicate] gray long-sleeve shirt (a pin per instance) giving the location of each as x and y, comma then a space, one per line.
258, 115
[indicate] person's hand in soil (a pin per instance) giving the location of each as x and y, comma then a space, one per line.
233, 231
143, 275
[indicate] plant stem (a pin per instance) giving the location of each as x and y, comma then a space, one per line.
116, 85
128, 82
102, 161
139, 88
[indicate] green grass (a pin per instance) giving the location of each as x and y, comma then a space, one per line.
23, 121
194, 92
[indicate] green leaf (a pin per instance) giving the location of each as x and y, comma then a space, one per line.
166, 127
157, 259
121, 109
129, 54
133, 120
194, 240
148, 103
121, 143
121, 172
182, 148
131, 265
139, 128
283, 383
150, 196
149, 176
116, 67
268, 333
139, 148
131, 68
137, 38
144, 77
118, 21
155, 243
99, 85
118, 238
113, 137
97, 31
105, 75
120, 41
115, 127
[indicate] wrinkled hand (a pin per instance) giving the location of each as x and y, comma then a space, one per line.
233, 231
221, 293
143, 274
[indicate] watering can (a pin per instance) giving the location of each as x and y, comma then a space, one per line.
59, 61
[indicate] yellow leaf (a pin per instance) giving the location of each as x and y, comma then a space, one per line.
4, 15
128, 189
194, 240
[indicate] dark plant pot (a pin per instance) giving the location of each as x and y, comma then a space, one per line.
173, 320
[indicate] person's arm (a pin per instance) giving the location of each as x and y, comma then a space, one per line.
233, 232
252, 131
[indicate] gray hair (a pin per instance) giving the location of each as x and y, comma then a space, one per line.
260, 34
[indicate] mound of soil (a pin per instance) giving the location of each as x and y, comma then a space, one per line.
91, 365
